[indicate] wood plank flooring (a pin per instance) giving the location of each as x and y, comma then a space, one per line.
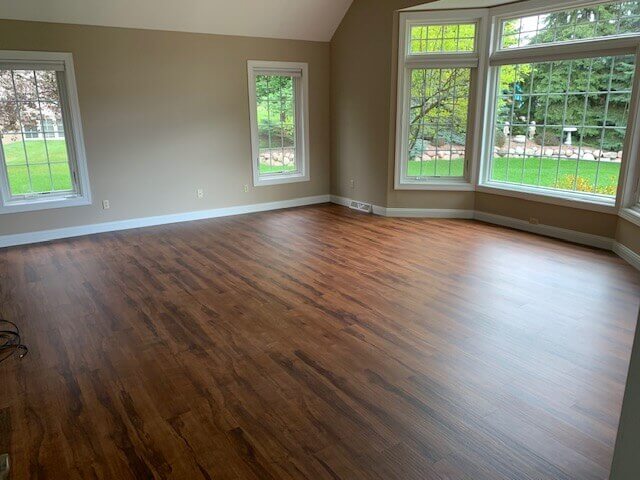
315, 343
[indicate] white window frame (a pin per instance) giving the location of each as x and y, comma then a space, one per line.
408, 61
73, 133
256, 67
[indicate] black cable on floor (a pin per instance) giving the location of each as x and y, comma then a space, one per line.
10, 341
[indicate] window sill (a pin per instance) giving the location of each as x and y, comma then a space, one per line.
49, 203
277, 180
442, 185
552, 197
631, 214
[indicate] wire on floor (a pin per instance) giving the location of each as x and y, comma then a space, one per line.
10, 341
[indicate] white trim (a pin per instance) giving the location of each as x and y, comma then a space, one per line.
72, 122
46, 235
255, 67
631, 215
547, 230
408, 212
429, 213
627, 254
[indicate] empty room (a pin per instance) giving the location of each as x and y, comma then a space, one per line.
320, 239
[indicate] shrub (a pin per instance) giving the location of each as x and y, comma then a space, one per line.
546, 138
581, 184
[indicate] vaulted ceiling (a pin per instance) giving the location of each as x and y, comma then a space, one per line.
292, 19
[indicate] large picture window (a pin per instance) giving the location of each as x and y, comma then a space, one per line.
561, 99
41, 153
562, 124
279, 122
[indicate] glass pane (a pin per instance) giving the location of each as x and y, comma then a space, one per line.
562, 125
61, 177
276, 123
18, 179
13, 149
47, 84
438, 115
9, 118
7, 92
33, 141
450, 38
588, 22
25, 83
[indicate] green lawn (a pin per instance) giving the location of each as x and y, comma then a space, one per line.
265, 168
41, 179
511, 170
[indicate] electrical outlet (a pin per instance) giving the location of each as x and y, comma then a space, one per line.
534, 221
352, 184
246, 188
200, 193
106, 205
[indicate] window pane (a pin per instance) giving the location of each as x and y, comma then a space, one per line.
561, 125
34, 148
438, 113
451, 38
275, 96
594, 21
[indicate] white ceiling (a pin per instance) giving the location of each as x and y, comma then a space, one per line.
292, 19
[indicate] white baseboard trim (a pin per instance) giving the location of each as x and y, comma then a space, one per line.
58, 233
409, 212
627, 254
589, 239
428, 213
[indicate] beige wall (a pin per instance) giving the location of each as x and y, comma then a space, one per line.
363, 128
166, 113
628, 235
586, 221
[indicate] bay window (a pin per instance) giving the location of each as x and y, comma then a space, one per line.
526, 100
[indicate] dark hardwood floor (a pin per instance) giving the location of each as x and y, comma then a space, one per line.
315, 343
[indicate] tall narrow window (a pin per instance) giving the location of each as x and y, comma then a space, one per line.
437, 68
42, 167
562, 95
279, 122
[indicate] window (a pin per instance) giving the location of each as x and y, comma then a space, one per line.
42, 167
444, 38
525, 99
279, 122
437, 70
581, 23
562, 125
560, 99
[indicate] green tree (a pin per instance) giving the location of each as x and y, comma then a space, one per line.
597, 89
